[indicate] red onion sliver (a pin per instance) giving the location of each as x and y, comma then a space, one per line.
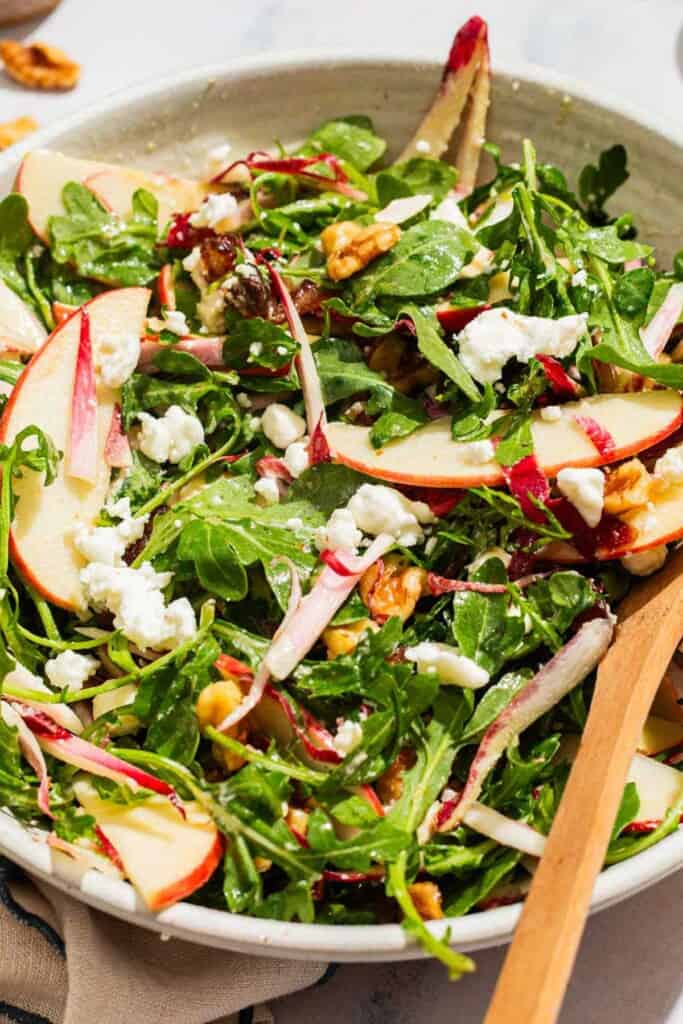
30, 748
552, 682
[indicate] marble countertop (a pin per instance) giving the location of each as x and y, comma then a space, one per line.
628, 967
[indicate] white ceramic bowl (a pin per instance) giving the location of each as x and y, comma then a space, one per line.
168, 125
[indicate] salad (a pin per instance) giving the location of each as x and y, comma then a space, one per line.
322, 480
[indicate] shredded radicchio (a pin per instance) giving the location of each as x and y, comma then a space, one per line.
525, 480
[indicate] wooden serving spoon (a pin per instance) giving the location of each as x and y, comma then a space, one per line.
539, 962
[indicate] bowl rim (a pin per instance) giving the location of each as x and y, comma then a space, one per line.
300, 60
220, 928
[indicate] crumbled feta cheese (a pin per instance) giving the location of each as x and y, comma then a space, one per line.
216, 209
669, 467
295, 523
644, 563
476, 453
281, 426
134, 597
281, 350
585, 489
349, 735
100, 544
399, 210
296, 457
69, 670
484, 556
340, 533
180, 621
107, 544
243, 400
494, 337
448, 664
176, 322
170, 438
422, 146
255, 349
551, 413
579, 278
217, 159
267, 488
449, 210
116, 358
379, 509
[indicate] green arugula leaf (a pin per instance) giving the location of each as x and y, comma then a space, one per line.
435, 750
621, 344
115, 251
427, 258
258, 342
417, 176
218, 568
352, 138
500, 866
598, 183
632, 292
436, 351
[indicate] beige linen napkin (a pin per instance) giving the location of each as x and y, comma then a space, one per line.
63, 963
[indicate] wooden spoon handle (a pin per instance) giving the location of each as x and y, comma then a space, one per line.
536, 971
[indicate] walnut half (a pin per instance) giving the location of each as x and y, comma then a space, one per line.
39, 66
350, 247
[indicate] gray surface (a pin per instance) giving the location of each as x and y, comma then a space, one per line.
629, 966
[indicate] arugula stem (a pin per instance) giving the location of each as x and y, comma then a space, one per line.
59, 644
5, 516
271, 763
45, 613
457, 963
529, 165
164, 494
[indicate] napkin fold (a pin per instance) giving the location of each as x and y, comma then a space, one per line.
63, 963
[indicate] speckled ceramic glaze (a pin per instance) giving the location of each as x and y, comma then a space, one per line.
169, 125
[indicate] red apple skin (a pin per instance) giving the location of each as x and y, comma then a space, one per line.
195, 880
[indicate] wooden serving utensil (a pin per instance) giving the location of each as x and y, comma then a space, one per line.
538, 965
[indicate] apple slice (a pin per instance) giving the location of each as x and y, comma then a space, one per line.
40, 179
114, 187
40, 543
165, 857
467, 52
430, 458
103, 703
659, 787
20, 329
658, 735
43, 174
